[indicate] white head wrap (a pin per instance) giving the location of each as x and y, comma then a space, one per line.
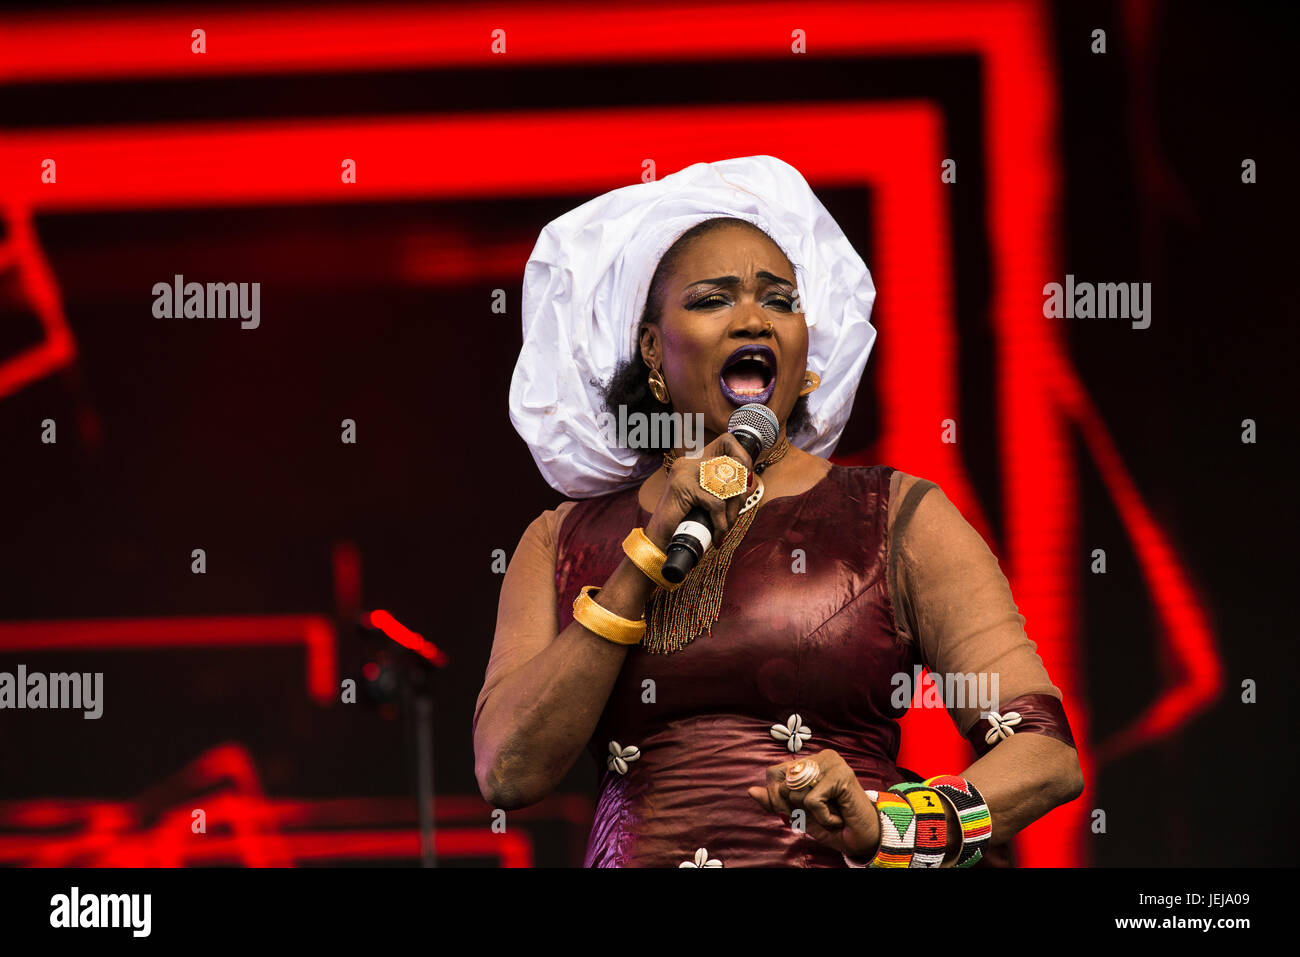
585, 287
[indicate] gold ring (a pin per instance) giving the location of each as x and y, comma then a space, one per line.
723, 476
802, 774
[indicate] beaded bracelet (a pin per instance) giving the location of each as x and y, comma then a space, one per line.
972, 812
897, 830
931, 823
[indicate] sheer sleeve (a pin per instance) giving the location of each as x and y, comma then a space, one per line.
951, 598
527, 617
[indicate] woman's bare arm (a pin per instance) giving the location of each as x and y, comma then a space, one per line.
544, 692
1022, 779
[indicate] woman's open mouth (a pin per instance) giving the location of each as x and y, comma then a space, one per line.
749, 375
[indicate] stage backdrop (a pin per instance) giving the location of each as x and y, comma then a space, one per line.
234, 520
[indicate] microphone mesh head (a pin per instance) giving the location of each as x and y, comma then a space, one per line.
758, 419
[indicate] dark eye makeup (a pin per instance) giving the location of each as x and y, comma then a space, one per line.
717, 300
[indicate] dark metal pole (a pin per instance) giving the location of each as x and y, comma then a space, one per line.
424, 776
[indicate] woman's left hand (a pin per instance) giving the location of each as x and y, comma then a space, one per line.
836, 809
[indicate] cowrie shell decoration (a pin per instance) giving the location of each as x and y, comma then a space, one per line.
702, 859
1003, 726
794, 733
620, 757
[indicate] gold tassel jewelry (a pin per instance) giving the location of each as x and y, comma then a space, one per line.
675, 619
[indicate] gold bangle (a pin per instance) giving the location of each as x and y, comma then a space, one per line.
602, 621
646, 556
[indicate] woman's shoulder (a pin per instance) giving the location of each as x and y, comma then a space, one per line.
903, 483
915, 499
551, 524
546, 526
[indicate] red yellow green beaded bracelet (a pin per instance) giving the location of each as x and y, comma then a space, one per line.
931, 823
972, 812
897, 830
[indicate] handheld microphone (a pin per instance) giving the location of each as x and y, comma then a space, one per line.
755, 427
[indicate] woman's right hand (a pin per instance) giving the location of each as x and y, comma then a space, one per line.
683, 492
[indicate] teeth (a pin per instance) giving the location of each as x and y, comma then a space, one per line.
756, 356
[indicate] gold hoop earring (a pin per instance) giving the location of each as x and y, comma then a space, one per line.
811, 381
658, 387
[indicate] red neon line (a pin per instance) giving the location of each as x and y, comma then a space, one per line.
313, 632
242, 812
1038, 467
35, 363
125, 44
242, 826
111, 849
399, 633
21, 252
1187, 639
513, 848
299, 161
289, 814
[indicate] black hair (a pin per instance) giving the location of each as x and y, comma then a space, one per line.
629, 386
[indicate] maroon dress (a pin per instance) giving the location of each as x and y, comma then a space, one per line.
822, 644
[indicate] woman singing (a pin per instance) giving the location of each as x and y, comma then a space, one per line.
747, 716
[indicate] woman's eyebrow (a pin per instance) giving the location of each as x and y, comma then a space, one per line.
735, 280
